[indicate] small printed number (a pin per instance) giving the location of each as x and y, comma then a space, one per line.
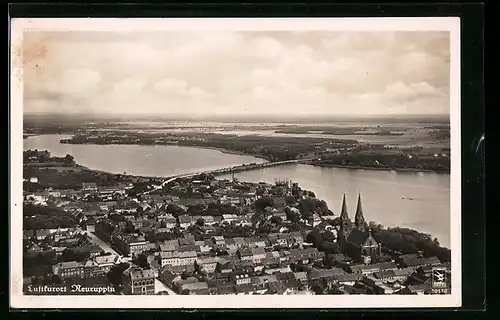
440, 291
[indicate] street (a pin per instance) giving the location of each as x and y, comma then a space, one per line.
106, 247
159, 286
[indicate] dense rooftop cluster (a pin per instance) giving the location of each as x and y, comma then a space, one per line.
206, 236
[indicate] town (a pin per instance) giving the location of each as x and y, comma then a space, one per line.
198, 235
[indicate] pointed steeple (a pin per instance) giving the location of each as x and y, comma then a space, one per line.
359, 219
344, 216
345, 223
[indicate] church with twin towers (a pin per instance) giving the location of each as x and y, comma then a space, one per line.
355, 239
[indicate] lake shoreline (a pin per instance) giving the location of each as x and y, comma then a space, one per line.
120, 174
302, 172
228, 151
234, 152
222, 150
29, 135
379, 169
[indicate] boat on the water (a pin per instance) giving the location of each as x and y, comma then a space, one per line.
406, 198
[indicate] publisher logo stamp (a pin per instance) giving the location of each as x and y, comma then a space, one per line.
438, 278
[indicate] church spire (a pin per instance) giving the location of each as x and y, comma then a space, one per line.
345, 223
344, 216
359, 219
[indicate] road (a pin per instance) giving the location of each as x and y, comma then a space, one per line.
164, 183
106, 247
159, 286
189, 175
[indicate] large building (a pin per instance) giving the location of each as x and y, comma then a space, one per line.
69, 269
131, 246
208, 264
177, 258
355, 238
100, 265
139, 282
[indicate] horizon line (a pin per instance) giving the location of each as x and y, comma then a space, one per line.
239, 115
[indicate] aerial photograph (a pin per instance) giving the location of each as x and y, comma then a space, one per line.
236, 163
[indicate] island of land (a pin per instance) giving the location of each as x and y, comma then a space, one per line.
401, 146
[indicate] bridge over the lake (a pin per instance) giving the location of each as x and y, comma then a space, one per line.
235, 169
253, 166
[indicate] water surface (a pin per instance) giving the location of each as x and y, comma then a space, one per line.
140, 160
382, 191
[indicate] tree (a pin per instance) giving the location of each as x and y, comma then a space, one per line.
314, 237
69, 159
330, 247
257, 217
142, 261
116, 217
337, 221
264, 230
196, 209
51, 279
115, 273
292, 215
163, 236
408, 241
74, 255
323, 206
130, 228
307, 207
174, 210
318, 289
219, 209
185, 275
436, 242
40, 217
276, 220
264, 202
374, 226
32, 259
290, 200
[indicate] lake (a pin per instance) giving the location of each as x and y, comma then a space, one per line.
382, 192
139, 160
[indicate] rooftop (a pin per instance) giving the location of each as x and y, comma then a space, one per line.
106, 259
207, 260
422, 261
322, 273
184, 219
300, 275
142, 274
258, 251
194, 286
380, 266
69, 264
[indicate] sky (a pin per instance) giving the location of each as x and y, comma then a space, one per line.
237, 73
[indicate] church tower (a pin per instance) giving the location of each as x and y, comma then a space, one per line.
345, 222
359, 219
